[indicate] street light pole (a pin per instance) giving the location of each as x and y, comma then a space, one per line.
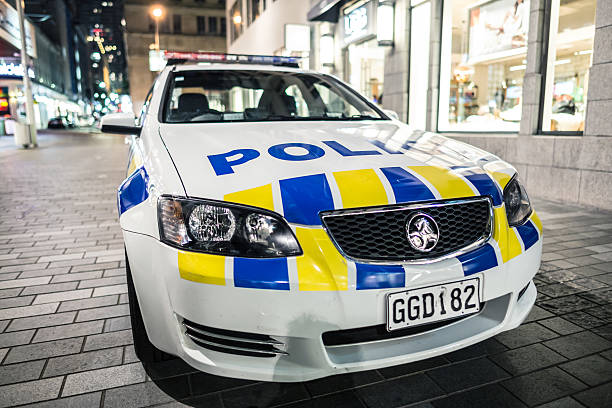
27, 86
157, 12
157, 34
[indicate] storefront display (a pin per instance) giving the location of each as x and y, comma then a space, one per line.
483, 62
570, 53
365, 59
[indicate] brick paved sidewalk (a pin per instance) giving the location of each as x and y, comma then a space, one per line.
64, 324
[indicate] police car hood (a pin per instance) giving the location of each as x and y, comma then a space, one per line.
215, 160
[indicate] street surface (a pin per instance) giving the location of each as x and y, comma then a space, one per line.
65, 331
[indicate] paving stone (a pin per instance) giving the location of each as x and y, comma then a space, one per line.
106, 340
591, 370
482, 349
28, 392
411, 368
68, 277
103, 313
16, 338
88, 303
147, 394
9, 293
528, 358
25, 311
43, 350
566, 304
44, 272
63, 296
341, 382
467, 374
399, 391
204, 383
526, 334
483, 397
3, 352
83, 361
543, 386
3, 324
110, 290
19, 283
560, 325
14, 373
565, 402
537, 313
117, 323
78, 401
68, 330
596, 397
41, 321
584, 320
104, 378
345, 399
578, 344
93, 283
264, 394
15, 302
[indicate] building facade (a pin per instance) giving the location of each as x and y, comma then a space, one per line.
186, 25
269, 27
510, 76
56, 49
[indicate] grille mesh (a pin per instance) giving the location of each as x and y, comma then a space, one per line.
381, 235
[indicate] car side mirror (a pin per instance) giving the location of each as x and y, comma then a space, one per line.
392, 114
123, 123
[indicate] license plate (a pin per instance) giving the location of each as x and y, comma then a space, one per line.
415, 307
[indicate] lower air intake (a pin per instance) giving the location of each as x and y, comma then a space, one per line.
233, 342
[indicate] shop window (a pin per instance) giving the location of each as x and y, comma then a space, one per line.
236, 20
366, 69
570, 52
483, 61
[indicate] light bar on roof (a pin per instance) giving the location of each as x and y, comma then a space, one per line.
230, 58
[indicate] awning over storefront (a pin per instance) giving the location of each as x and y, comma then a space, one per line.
326, 10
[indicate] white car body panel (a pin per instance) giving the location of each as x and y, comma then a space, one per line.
175, 160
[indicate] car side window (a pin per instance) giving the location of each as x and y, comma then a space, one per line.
145, 108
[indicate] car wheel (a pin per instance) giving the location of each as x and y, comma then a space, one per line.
145, 350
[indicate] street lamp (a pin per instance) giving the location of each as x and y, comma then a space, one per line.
157, 12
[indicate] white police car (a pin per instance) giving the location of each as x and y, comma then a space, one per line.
278, 226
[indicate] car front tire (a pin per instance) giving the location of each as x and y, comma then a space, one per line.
145, 350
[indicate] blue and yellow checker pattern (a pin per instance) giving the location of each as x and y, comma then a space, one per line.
322, 267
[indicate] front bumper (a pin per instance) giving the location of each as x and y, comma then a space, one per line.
297, 319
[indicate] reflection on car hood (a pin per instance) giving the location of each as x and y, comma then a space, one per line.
223, 161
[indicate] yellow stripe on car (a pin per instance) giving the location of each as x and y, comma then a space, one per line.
202, 268
536, 220
360, 188
449, 185
501, 178
257, 197
321, 267
505, 236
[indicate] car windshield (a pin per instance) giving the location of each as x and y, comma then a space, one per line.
248, 96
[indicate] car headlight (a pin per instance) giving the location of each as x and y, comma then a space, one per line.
518, 207
222, 228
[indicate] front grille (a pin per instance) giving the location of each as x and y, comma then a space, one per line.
379, 233
233, 342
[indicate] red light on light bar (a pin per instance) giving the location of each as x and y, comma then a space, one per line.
194, 56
